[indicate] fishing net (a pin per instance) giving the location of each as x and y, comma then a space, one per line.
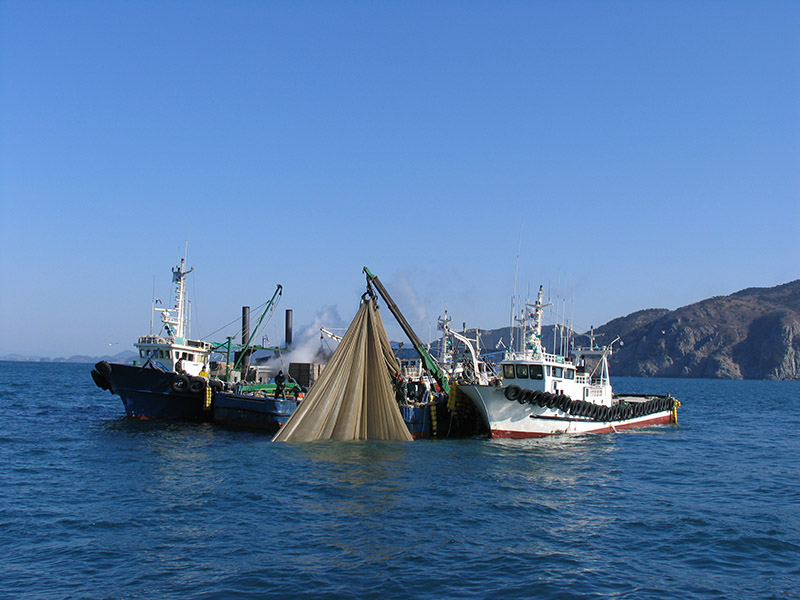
353, 398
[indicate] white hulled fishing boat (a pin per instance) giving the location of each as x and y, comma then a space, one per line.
538, 394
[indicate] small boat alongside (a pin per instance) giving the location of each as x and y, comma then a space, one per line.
537, 394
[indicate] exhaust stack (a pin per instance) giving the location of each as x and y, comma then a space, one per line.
245, 337
288, 333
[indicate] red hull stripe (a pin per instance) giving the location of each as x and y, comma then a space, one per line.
663, 419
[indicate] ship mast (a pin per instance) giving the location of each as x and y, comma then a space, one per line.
535, 339
175, 319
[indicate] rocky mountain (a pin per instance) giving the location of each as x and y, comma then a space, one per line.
752, 334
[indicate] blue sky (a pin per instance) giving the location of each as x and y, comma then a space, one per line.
635, 154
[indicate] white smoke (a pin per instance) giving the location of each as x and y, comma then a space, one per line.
307, 346
406, 297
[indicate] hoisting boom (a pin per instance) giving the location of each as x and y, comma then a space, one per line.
427, 360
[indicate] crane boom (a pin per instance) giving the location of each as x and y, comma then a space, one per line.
427, 360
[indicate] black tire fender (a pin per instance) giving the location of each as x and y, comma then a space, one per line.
103, 367
197, 385
512, 392
100, 381
180, 383
526, 396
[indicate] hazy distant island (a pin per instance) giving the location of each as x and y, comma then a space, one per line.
751, 334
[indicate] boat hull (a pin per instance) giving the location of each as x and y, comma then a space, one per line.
148, 393
511, 419
261, 413
418, 419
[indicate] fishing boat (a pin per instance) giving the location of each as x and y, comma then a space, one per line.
176, 378
536, 393
167, 382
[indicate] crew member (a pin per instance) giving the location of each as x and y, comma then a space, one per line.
280, 381
412, 389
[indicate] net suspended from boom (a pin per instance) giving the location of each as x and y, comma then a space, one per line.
353, 399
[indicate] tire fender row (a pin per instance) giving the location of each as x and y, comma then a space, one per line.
582, 408
194, 385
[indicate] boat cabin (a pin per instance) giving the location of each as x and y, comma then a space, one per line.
556, 375
166, 352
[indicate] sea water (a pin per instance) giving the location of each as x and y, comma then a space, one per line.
93, 505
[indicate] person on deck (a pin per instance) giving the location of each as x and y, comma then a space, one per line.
399, 388
422, 390
280, 382
412, 389
179, 366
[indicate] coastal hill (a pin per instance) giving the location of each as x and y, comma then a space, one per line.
751, 334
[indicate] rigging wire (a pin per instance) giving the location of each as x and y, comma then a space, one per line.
256, 309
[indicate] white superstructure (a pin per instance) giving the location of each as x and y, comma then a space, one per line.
165, 350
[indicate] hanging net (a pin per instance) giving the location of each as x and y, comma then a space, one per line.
353, 398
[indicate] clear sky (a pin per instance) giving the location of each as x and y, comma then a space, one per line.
642, 154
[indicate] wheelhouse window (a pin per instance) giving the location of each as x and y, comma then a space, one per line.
522, 371
535, 372
569, 374
558, 371
508, 371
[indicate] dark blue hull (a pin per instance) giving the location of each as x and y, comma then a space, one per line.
418, 419
263, 413
151, 393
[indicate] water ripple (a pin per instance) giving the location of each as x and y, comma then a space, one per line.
93, 505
